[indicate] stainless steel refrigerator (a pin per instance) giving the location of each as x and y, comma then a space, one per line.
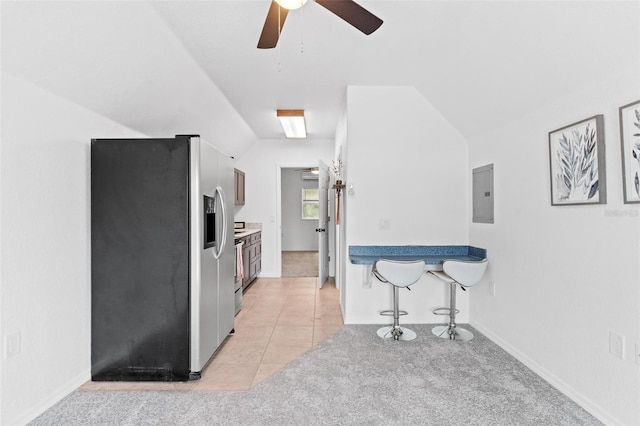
162, 257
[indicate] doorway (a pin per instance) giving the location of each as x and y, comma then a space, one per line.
299, 220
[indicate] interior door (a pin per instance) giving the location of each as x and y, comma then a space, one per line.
323, 223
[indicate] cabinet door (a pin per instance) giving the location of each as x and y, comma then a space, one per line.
246, 262
258, 264
239, 187
253, 269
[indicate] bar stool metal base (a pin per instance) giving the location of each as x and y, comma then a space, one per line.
396, 333
452, 333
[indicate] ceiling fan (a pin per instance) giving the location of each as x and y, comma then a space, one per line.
348, 10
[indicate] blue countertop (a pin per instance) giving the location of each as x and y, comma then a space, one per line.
432, 255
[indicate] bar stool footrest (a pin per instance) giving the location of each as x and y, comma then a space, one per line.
444, 311
390, 313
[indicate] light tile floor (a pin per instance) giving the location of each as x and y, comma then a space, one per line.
281, 318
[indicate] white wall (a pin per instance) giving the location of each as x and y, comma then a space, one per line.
45, 252
297, 234
262, 165
566, 275
340, 229
121, 60
409, 166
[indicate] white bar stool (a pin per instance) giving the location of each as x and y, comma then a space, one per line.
462, 273
398, 274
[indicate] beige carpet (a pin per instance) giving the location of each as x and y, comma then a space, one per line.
299, 263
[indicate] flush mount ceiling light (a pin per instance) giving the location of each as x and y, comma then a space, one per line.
291, 4
292, 121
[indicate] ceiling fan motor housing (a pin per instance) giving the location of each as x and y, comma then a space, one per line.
291, 4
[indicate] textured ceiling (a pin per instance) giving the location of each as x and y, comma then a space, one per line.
193, 66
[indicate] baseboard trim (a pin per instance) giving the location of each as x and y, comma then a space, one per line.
268, 275
554, 380
50, 400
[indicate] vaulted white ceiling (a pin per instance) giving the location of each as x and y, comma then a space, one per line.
166, 67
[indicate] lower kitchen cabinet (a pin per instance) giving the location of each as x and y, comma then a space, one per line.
252, 258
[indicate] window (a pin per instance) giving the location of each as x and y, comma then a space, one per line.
310, 203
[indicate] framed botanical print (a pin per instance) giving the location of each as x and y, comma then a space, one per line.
577, 163
630, 139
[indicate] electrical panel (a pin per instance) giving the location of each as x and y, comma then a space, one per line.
483, 194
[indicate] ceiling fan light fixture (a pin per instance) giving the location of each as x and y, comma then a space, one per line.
292, 121
291, 4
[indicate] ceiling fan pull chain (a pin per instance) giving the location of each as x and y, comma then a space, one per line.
301, 30
279, 50
279, 58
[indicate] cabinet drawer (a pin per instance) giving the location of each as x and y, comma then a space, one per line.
256, 237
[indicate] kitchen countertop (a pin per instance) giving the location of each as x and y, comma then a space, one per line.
432, 255
245, 232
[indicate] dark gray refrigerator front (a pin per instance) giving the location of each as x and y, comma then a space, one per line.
160, 305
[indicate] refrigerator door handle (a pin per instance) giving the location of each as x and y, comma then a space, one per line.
220, 193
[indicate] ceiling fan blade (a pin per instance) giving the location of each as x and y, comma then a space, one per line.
353, 13
272, 26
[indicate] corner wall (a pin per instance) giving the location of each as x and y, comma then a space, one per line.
45, 245
566, 275
408, 167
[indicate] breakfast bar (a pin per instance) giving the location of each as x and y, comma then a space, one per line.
433, 256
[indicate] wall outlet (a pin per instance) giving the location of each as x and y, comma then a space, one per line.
492, 288
616, 344
11, 345
384, 224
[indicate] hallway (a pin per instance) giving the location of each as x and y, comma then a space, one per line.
299, 263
